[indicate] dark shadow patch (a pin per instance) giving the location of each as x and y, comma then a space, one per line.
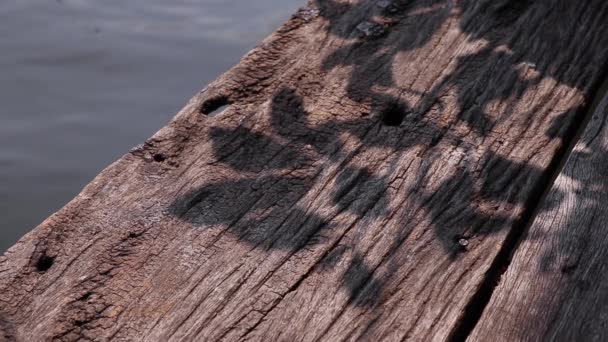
466, 205
357, 190
364, 289
226, 204
246, 150
506, 12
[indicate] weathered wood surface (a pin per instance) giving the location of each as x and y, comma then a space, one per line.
373, 165
556, 288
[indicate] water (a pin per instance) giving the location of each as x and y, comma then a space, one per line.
82, 81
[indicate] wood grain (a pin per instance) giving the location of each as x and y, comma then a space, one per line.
371, 163
556, 288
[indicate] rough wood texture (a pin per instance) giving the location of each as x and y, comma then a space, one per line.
557, 286
373, 160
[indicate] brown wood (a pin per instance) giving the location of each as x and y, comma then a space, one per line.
370, 166
557, 286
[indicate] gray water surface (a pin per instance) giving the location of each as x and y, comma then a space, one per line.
83, 81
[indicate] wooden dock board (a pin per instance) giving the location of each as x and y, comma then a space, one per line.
374, 160
556, 288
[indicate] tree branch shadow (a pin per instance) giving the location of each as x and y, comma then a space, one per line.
263, 209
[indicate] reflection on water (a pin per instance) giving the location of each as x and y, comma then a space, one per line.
83, 81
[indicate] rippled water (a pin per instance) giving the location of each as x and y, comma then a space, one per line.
82, 81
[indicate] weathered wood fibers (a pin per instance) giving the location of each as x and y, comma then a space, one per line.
368, 170
557, 286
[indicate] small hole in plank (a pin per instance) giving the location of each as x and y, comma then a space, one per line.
215, 106
159, 158
85, 296
393, 115
435, 141
44, 263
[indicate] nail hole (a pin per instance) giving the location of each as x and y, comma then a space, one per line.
44, 263
393, 115
215, 106
85, 296
567, 269
159, 158
436, 139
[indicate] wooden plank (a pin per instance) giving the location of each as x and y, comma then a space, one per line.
371, 163
556, 287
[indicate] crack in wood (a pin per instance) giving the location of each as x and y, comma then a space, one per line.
475, 308
300, 213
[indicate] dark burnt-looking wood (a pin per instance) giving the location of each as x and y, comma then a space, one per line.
557, 286
372, 160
